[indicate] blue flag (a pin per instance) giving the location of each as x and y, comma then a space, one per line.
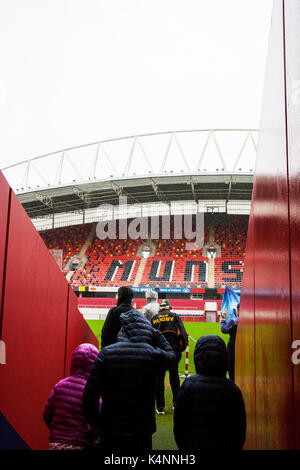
230, 301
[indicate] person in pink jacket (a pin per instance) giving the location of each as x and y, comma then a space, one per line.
63, 412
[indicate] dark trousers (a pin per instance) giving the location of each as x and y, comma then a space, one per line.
160, 385
129, 443
231, 351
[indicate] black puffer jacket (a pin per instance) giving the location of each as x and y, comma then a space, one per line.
124, 375
210, 412
112, 324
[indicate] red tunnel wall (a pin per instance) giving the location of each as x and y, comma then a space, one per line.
245, 355
292, 46
269, 320
41, 325
78, 330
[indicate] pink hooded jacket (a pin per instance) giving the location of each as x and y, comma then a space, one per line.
63, 413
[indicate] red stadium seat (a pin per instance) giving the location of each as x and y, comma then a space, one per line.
106, 259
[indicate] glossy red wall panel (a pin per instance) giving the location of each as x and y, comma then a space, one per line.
274, 412
40, 323
78, 330
274, 247
4, 201
245, 343
34, 329
292, 49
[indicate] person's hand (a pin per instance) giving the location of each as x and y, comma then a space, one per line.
224, 315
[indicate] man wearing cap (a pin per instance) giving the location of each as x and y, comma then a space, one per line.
170, 325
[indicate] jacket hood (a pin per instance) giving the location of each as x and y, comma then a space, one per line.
151, 294
83, 359
135, 327
210, 356
125, 295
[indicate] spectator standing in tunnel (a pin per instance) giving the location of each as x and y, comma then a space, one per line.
112, 322
210, 410
151, 308
170, 325
231, 329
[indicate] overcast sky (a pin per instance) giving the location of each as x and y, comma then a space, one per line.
79, 71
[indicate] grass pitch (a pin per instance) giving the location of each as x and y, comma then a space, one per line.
194, 329
163, 438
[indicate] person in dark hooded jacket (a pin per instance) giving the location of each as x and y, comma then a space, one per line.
112, 322
124, 375
210, 411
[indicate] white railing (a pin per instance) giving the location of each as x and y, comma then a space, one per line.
147, 155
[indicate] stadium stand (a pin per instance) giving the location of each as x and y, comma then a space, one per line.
99, 269
69, 239
183, 271
232, 240
115, 262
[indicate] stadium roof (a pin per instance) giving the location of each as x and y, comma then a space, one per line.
197, 165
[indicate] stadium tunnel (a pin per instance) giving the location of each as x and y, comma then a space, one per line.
269, 328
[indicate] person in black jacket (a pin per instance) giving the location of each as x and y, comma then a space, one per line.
210, 411
171, 326
112, 322
124, 375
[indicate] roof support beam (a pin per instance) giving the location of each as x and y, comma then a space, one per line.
45, 199
120, 191
160, 196
82, 195
193, 190
230, 183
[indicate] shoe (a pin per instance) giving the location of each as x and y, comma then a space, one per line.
160, 411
